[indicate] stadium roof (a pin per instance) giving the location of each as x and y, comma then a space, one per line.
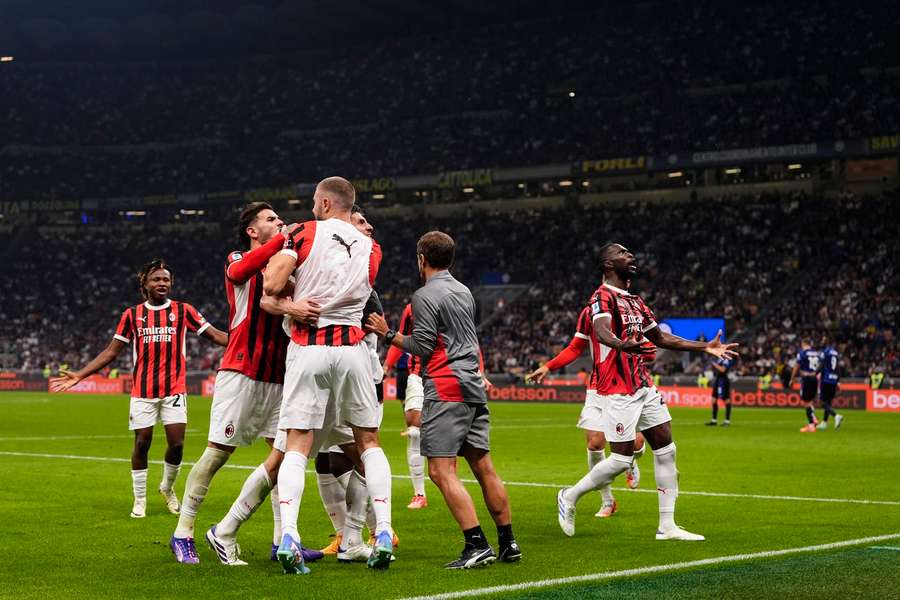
148, 29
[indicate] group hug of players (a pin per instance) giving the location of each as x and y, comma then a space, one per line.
301, 370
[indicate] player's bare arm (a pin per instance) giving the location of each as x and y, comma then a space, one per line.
714, 347
216, 336
277, 274
719, 368
606, 337
305, 310
67, 379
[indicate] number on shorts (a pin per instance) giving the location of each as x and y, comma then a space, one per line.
177, 400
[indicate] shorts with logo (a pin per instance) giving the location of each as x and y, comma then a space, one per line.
415, 393
592, 415
722, 388
325, 385
447, 427
627, 414
827, 392
243, 409
147, 412
808, 389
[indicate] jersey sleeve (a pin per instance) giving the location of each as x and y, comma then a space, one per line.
405, 326
125, 329
585, 325
194, 319
374, 262
601, 304
299, 242
241, 266
649, 319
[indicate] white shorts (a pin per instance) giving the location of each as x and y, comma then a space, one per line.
325, 385
415, 393
628, 414
343, 434
243, 409
592, 415
147, 412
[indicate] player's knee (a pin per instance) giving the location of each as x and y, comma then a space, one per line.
323, 463
176, 449
142, 445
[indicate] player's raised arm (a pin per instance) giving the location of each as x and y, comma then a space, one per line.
217, 336
714, 347
67, 379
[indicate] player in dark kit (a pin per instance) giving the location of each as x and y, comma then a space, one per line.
622, 324
156, 329
807, 366
721, 391
828, 383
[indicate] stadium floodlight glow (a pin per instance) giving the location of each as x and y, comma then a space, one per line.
293, 201
795, 166
565, 183
572, 94
521, 186
188, 211
135, 213
675, 174
733, 171
7, 58
586, 183
378, 196
468, 190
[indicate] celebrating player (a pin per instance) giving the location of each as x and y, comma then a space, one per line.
592, 419
455, 417
412, 411
622, 322
828, 384
156, 330
329, 370
247, 394
721, 391
807, 366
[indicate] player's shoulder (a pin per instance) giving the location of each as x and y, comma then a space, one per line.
234, 256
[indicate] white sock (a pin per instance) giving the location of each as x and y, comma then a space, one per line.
357, 503
378, 480
256, 487
415, 460
334, 497
640, 453
139, 484
594, 458
170, 474
601, 475
195, 488
291, 481
666, 484
276, 516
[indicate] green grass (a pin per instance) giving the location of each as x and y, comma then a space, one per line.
65, 530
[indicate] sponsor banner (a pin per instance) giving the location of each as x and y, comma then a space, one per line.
95, 384
271, 194
16, 382
873, 168
375, 184
613, 165
208, 385
465, 178
884, 143
847, 398
884, 400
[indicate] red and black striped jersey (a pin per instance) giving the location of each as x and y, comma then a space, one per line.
619, 372
257, 344
394, 354
157, 335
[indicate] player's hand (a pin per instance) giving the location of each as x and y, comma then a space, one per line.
377, 325
305, 311
488, 386
637, 345
65, 381
387, 372
716, 348
538, 375
287, 230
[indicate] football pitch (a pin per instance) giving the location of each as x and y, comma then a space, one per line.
784, 513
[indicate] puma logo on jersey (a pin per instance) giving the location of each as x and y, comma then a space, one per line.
341, 241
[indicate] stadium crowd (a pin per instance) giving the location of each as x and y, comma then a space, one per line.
619, 81
771, 264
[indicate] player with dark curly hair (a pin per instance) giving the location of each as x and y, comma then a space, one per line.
156, 330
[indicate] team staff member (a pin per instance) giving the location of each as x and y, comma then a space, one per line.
455, 418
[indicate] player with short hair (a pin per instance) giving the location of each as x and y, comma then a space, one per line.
591, 419
156, 330
247, 394
329, 370
807, 365
828, 384
623, 323
413, 398
455, 417
721, 391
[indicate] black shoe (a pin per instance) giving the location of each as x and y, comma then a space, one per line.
711, 423
473, 557
511, 552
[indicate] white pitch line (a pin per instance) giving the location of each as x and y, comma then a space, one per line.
896, 548
509, 483
54, 438
718, 560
